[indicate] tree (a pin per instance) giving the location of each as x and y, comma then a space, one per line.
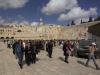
68, 25
81, 21
72, 23
90, 19
97, 19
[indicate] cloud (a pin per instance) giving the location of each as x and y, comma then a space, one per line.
24, 22
2, 21
58, 6
14, 22
12, 3
68, 10
78, 13
20, 17
34, 23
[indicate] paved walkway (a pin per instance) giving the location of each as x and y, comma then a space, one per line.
45, 66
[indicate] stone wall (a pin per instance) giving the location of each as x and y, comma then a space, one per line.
47, 32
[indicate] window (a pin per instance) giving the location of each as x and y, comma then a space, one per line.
12, 37
7, 37
19, 31
2, 37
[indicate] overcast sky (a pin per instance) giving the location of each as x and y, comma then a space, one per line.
52, 11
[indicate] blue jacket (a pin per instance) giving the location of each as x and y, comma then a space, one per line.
18, 48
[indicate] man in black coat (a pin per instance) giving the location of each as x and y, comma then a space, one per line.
33, 52
50, 49
28, 54
13, 47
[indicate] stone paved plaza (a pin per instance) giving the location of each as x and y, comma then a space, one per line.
45, 66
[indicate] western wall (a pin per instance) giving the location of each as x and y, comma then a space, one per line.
46, 32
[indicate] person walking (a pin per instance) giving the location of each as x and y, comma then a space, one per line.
14, 48
19, 52
67, 50
23, 44
50, 49
46, 46
76, 47
92, 49
28, 54
33, 51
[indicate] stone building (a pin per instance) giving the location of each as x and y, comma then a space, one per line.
46, 31
94, 33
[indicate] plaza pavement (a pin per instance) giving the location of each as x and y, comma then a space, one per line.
44, 65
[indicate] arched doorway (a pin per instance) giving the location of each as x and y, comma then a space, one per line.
2, 38
12, 37
7, 37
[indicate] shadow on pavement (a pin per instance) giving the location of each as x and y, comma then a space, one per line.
61, 58
82, 63
37, 59
24, 61
1, 50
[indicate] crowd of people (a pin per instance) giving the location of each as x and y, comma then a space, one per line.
69, 49
30, 49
